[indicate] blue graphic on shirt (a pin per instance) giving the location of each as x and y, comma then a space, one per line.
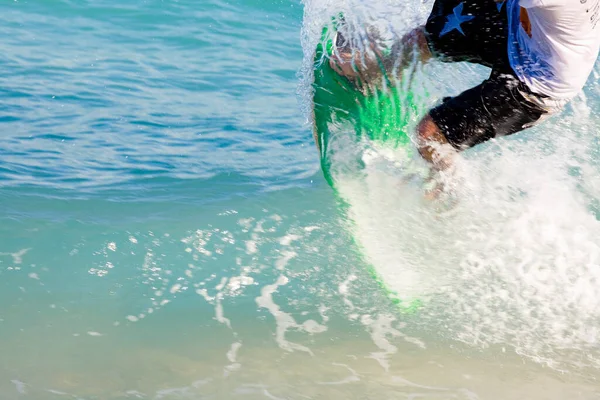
454, 20
527, 64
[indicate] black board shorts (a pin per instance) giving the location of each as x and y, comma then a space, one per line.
477, 31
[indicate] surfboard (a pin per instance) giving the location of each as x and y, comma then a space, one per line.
380, 115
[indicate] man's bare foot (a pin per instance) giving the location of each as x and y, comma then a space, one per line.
434, 190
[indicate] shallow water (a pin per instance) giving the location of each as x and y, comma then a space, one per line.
166, 231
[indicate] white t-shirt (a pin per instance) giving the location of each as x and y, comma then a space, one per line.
560, 54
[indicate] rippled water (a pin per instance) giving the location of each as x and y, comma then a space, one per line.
166, 231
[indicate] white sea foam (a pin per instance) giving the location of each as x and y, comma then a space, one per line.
516, 262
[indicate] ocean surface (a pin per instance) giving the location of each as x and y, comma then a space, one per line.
166, 231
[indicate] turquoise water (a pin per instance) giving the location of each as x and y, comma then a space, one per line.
166, 231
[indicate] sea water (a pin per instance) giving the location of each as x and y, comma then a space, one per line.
166, 232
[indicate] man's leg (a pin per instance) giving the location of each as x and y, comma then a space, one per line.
492, 109
435, 149
433, 145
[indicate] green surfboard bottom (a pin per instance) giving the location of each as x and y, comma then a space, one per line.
382, 116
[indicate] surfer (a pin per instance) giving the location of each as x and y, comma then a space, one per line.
541, 53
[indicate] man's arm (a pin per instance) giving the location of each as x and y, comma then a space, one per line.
525, 4
525, 22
